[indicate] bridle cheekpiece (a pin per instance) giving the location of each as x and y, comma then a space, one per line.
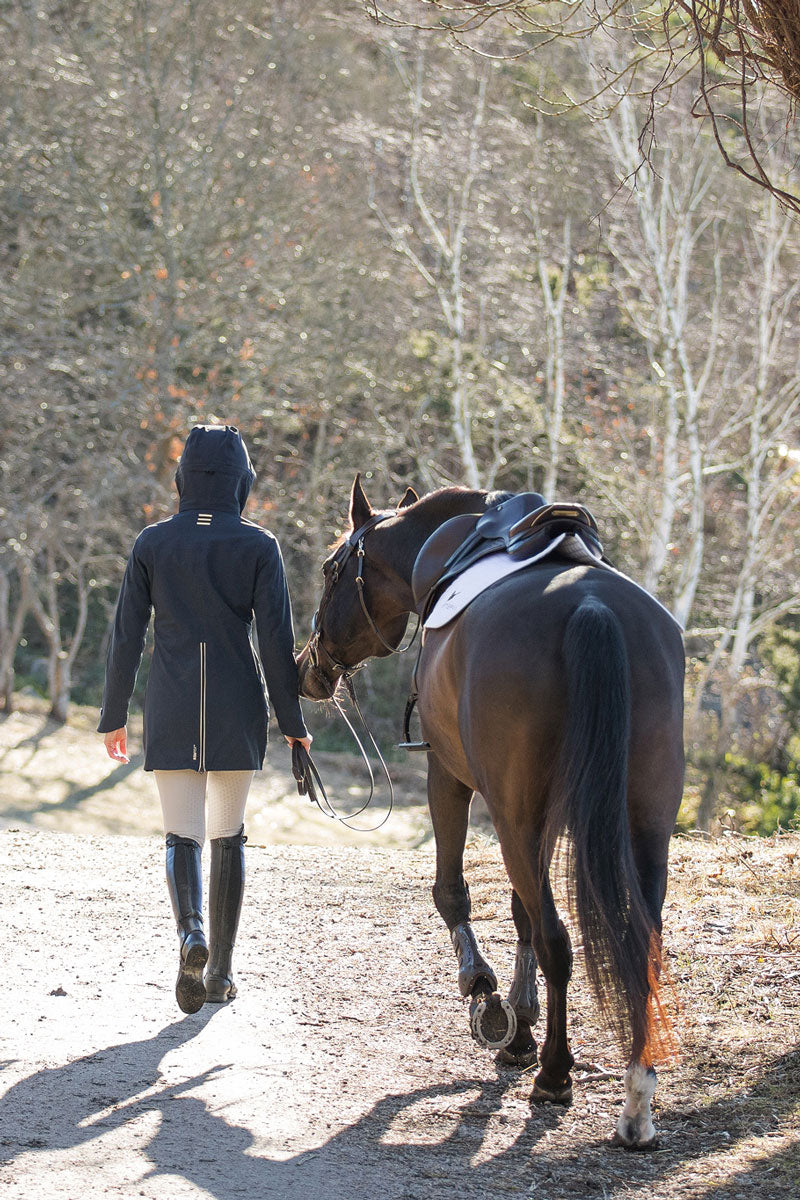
352, 544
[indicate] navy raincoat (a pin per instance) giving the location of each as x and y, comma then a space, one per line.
206, 573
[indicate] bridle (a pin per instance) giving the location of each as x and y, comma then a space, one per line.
354, 544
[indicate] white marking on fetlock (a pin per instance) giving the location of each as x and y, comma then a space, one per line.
635, 1127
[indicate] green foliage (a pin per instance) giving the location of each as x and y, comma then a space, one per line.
590, 277
424, 343
780, 650
764, 799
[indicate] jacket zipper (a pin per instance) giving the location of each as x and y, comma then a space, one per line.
201, 766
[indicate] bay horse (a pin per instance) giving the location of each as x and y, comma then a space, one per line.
558, 696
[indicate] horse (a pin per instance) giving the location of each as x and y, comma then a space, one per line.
557, 695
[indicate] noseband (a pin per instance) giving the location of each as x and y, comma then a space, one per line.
353, 544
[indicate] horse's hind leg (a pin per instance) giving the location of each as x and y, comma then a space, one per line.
492, 1020
554, 952
635, 1128
523, 996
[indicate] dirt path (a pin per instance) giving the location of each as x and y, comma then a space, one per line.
344, 1069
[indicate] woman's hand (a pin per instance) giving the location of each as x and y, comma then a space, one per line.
304, 741
117, 744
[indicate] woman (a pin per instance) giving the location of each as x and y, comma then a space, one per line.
205, 573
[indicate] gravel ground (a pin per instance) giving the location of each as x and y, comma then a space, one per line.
344, 1069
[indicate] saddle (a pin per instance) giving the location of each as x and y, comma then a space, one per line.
522, 526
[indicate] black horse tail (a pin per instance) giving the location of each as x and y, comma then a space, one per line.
620, 939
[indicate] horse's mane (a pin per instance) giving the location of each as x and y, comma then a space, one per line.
446, 495
441, 497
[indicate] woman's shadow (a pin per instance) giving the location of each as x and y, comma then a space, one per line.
69, 1106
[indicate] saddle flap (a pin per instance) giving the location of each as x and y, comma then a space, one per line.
436, 551
500, 520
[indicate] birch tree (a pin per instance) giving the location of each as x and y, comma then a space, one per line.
656, 287
766, 424
436, 245
553, 283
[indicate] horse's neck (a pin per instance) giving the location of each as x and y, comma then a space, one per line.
420, 521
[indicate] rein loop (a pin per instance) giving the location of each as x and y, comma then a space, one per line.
308, 780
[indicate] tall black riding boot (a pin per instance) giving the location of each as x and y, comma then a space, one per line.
224, 907
185, 883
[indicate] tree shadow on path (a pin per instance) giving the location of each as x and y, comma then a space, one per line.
69, 1106
390, 1151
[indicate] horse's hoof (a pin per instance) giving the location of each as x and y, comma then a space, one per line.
558, 1095
493, 1021
522, 1052
518, 1058
616, 1140
635, 1128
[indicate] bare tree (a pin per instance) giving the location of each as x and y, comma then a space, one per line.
15, 603
766, 423
657, 290
554, 286
440, 258
729, 49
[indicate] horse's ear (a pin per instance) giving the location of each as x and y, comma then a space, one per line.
360, 509
410, 497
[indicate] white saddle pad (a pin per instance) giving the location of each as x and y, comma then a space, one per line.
487, 571
481, 575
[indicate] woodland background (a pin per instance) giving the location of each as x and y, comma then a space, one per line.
375, 252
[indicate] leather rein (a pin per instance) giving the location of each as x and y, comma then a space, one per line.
308, 781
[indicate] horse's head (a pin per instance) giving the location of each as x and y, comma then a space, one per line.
365, 602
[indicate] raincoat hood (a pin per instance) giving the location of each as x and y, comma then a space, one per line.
215, 471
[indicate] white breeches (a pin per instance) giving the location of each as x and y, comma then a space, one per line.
184, 795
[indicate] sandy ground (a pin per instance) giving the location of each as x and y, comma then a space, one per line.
345, 1069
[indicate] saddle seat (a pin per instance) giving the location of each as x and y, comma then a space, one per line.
522, 526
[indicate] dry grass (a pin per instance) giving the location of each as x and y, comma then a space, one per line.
729, 1106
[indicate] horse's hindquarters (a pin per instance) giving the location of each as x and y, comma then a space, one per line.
493, 690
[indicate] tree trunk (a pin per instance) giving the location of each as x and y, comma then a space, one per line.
10, 633
709, 797
59, 676
554, 365
61, 659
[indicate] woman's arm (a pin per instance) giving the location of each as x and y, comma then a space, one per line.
127, 644
273, 613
